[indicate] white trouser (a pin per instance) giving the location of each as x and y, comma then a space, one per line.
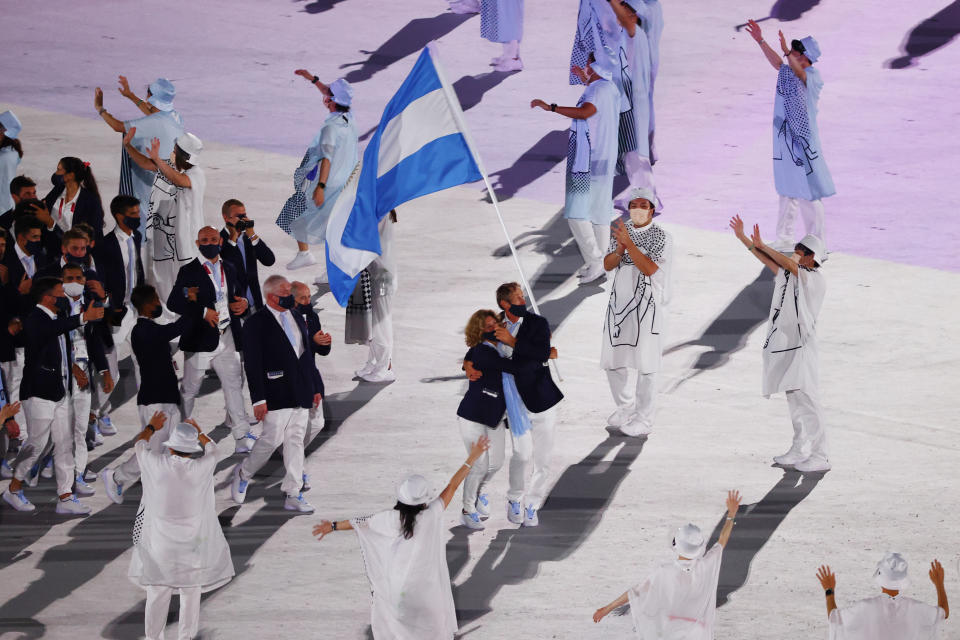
536, 447
13, 374
486, 465
315, 423
593, 240
49, 420
158, 606
81, 418
286, 427
381, 334
641, 402
807, 418
101, 399
129, 472
226, 362
810, 210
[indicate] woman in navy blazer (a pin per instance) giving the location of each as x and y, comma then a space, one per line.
481, 413
75, 197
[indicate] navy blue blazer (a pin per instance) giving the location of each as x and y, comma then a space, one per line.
89, 209
150, 342
247, 272
15, 272
109, 257
313, 325
484, 401
43, 373
274, 373
199, 335
531, 355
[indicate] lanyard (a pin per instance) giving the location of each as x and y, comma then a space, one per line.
73, 207
223, 281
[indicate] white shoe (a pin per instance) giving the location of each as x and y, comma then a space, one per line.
90, 475
465, 6
6, 471
81, 488
620, 417
106, 426
483, 505
17, 500
380, 376
72, 506
636, 427
530, 517
47, 471
815, 463
113, 488
238, 486
595, 272
472, 521
514, 512
365, 370
245, 444
495, 61
301, 260
791, 457
297, 503
583, 270
510, 64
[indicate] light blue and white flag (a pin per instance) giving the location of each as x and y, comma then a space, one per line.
421, 146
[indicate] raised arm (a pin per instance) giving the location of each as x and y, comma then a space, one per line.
125, 91
733, 503
172, 175
112, 122
936, 576
772, 56
737, 225
314, 80
829, 582
582, 112
155, 424
477, 450
793, 61
141, 160
321, 530
626, 19
602, 612
782, 261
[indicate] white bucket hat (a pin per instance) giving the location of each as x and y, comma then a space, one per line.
162, 93
413, 491
341, 92
688, 541
184, 438
815, 244
603, 66
892, 572
11, 124
191, 147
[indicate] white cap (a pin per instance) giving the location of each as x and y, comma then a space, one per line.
688, 541
892, 572
341, 92
413, 491
815, 244
603, 65
184, 439
191, 147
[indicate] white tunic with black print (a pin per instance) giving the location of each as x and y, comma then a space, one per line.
790, 346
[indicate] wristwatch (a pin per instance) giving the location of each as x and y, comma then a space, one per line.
152, 428
828, 592
322, 185
334, 525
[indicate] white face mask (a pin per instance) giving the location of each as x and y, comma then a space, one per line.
640, 216
73, 289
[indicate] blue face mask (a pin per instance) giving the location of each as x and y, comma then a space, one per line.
210, 251
286, 302
518, 310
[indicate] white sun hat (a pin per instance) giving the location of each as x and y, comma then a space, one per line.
184, 439
892, 572
413, 491
688, 541
191, 147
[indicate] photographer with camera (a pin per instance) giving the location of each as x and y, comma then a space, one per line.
243, 248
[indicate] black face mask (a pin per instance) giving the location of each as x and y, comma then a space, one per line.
131, 222
156, 312
34, 247
286, 302
72, 259
518, 310
210, 251
489, 335
304, 308
63, 306
56, 180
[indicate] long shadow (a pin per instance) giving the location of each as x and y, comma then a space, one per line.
572, 512
248, 537
410, 39
536, 162
785, 11
728, 332
933, 33
755, 524
319, 6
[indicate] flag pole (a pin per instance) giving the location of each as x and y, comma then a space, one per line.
458, 116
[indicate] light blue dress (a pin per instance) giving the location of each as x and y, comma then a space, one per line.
597, 32
337, 141
633, 80
799, 169
501, 20
9, 161
592, 156
167, 126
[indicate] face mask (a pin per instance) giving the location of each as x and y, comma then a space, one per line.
156, 312
210, 251
131, 222
73, 289
34, 247
518, 310
72, 259
489, 335
286, 302
57, 180
304, 308
639, 216
63, 305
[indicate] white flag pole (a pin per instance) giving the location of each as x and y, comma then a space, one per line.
458, 116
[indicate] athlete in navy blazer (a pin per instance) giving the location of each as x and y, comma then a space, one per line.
201, 336
484, 401
247, 270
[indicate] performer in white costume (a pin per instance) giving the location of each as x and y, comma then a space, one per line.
890, 615
176, 207
178, 544
405, 558
641, 252
383, 287
678, 600
790, 354
591, 162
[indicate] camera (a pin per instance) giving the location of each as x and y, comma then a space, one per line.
242, 224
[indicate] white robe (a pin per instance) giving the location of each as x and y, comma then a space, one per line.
179, 542
412, 597
790, 359
9, 161
677, 603
176, 217
886, 618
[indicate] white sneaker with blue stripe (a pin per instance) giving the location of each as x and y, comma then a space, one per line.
238, 486
17, 500
81, 488
514, 512
530, 517
72, 506
471, 520
113, 488
305, 485
6, 471
297, 503
483, 505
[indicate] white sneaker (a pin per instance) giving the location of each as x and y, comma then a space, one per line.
305, 485
90, 476
791, 457
106, 426
47, 471
6, 471
301, 260
465, 6
322, 277
483, 505
510, 64
365, 370
595, 272
380, 376
514, 512
297, 503
245, 444
113, 488
815, 463
81, 488
583, 270
238, 486
472, 521
636, 427
620, 417
17, 500
72, 506
495, 61
530, 517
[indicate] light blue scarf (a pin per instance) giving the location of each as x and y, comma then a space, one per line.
516, 411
